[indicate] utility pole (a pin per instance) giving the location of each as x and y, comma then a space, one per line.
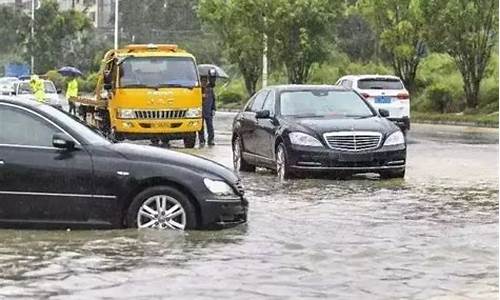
264, 57
116, 24
32, 35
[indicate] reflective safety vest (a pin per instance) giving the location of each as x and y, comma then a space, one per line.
72, 90
38, 88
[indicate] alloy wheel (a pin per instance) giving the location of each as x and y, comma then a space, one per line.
161, 212
281, 163
237, 155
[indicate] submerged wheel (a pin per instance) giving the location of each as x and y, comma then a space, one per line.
392, 174
282, 166
190, 140
239, 163
163, 208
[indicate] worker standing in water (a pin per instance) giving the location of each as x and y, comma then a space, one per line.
72, 94
38, 88
208, 110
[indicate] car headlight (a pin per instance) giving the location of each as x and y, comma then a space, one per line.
125, 113
396, 138
193, 113
304, 139
217, 187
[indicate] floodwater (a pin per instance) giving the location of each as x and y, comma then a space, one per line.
433, 235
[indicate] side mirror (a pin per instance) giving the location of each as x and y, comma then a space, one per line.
263, 114
383, 112
59, 91
63, 141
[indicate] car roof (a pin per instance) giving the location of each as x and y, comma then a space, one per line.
301, 87
21, 102
366, 76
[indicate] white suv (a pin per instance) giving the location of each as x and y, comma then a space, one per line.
383, 91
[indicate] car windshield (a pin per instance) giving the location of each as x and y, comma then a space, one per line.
156, 72
25, 88
380, 84
89, 134
323, 103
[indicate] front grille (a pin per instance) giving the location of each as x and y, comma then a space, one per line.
353, 140
239, 187
160, 114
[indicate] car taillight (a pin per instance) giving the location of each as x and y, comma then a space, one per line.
403, 96
365, 95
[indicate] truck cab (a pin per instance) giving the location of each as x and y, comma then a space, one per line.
152, 92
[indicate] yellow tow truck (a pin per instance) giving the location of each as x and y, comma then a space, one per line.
148, 92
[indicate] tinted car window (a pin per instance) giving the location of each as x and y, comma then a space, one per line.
19, 127
380, 84
258, 102
89, 135
323, 103
270, 103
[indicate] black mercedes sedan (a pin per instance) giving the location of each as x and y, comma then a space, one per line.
56, 172
297, 129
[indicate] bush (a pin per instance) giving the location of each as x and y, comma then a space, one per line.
230, 97
58, 79
88, 84
440, 97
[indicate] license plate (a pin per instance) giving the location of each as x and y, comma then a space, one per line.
382, 100
346, 157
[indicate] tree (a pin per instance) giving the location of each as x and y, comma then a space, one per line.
467, 31
356, 38
302, 32
399, 26
54, 33
239, 26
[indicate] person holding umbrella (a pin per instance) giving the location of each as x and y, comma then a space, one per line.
72, 88
208, 75
208, 112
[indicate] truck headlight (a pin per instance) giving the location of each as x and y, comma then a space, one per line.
125, 113
304, 139
217, 187
193, 113
396, 138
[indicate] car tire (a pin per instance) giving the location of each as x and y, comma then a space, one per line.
190, 141
144, 212
392, 174
239, 163
282, 165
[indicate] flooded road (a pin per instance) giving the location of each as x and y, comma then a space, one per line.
433, 235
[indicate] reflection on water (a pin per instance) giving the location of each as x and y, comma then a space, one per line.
359, 238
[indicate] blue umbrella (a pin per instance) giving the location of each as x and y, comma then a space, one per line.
69, 71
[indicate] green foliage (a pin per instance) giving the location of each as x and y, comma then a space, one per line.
356, 38
12, 30
239, 26
54, 35
230, 97
88, 84
58, 79
398, 25
302, 33
468, 31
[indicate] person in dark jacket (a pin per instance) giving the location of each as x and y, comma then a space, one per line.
208, 112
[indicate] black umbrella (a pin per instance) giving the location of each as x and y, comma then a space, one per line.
69, 71
207, 69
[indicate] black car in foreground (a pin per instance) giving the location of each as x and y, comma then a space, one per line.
306, 128
56, 172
